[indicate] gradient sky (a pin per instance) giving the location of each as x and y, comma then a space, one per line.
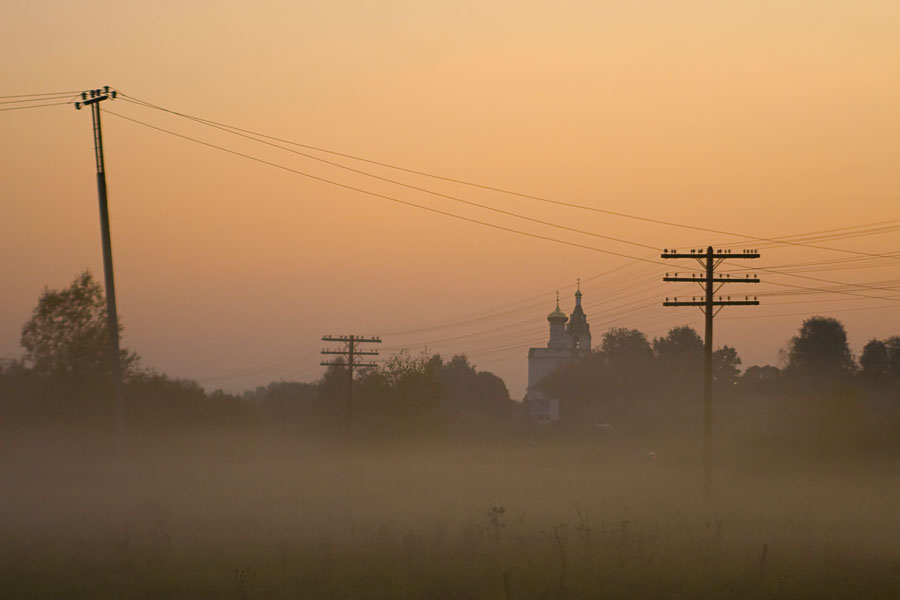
766, 118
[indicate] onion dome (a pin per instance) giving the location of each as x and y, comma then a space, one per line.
557, 314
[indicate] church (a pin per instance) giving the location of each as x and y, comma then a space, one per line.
569, 342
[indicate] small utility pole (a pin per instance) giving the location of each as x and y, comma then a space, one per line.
351, 352
711, 284
93, 98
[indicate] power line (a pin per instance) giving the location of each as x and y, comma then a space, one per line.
44, 94
33, 106
36, 99
799, 313
498, 189
424, 190
384, 196
445, 213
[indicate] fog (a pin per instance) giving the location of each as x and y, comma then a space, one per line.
262, 511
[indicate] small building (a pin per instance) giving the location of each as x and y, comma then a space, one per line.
570, 341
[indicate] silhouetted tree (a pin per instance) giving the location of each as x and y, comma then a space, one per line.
468, 392
893, 355
765, 379
726, 369
403, 391
629, 357
66, 336
820, 352
680, 358
874, 360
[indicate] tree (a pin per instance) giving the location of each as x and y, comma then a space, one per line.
881, 358
404, 390
761, 379
66, 336
893, 356
680, 357
629, 356
726, 363
820, 351
466, 391
874, 359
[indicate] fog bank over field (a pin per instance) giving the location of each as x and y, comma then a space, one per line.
238, 512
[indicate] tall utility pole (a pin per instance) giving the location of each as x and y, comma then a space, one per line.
711, 284
93, 98
351, 352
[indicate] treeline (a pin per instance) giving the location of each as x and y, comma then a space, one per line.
629, 384
407, 395
820, 389
65, 377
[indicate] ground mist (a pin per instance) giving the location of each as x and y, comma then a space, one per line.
251, 512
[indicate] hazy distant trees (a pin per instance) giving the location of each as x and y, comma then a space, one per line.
404, 390
726, 366
470, 394
679, 357
881, 358
406, 393
819, 353
628, 355
64, 374
761, 379
629, 379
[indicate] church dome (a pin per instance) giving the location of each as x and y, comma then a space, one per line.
557, 314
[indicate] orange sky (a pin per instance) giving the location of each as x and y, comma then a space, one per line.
770, 118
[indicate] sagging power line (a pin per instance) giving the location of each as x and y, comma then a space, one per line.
232, 128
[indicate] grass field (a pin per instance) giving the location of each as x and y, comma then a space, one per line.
247, 515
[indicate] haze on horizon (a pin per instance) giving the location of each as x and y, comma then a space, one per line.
774, 120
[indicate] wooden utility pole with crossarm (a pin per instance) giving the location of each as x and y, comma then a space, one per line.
710, 305
351, 351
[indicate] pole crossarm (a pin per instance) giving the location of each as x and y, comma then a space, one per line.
725, 279
355, 364
702, 254
348, 338
714, 303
